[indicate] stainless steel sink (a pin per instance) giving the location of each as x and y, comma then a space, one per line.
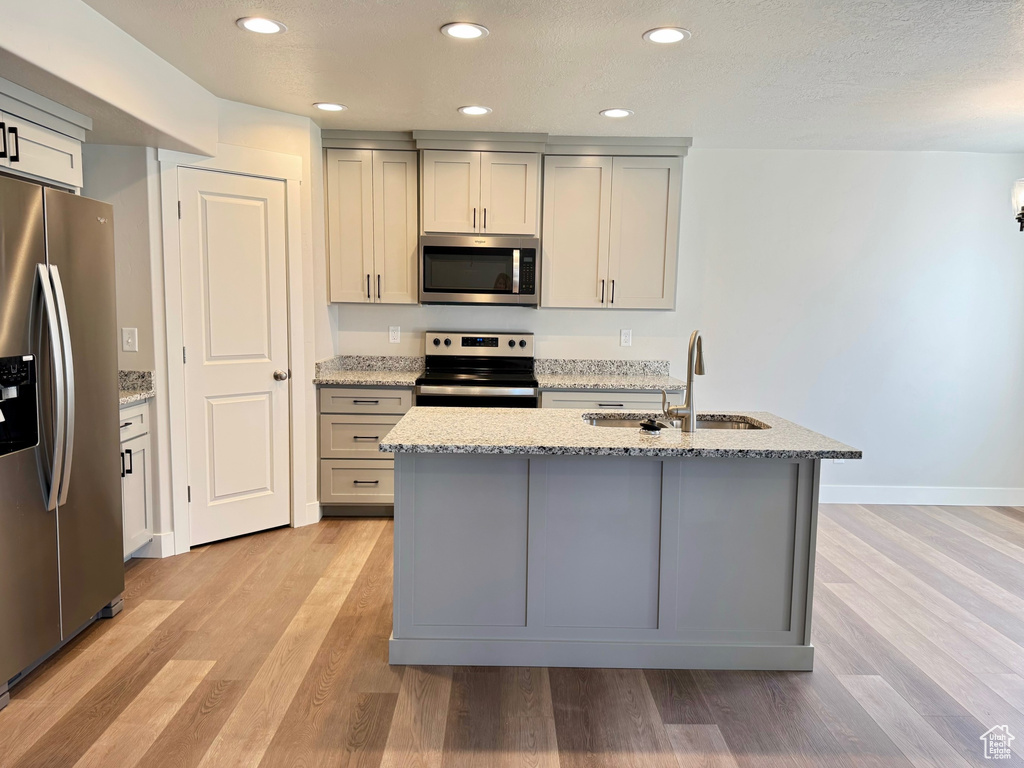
724, 422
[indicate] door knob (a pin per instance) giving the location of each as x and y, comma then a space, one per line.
281, 375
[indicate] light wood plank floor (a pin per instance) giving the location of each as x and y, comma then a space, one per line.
271, 650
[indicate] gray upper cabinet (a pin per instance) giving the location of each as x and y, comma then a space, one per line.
371, 226
611, 232
495, 193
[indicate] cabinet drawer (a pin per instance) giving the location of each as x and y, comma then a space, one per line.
134, 421
607, 401
357, 481
344, 436
356, 400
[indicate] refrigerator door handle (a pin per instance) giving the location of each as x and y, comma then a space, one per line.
51, 482
69, 386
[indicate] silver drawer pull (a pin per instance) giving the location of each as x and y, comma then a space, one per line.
366, 482
611, 405
365, 437
366, 402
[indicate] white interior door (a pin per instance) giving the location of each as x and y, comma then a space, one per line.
235, 324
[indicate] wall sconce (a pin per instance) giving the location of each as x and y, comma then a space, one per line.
1018, 202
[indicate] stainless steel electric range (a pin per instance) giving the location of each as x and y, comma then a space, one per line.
479, 370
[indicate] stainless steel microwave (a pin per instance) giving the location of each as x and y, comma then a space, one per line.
474, 269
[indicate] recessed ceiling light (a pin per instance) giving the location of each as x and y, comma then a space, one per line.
616, 112
261, 25
328, 106
474, 110
667, 35
465, 31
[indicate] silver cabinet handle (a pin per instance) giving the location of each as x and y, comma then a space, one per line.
15, 145
281, 375
69, 385
51, 483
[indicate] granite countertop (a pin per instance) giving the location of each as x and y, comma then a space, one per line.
369, 371
623, 375
609, 381
563, 432
135, 387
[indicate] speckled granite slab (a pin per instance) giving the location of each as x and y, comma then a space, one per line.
614, 375
568, 367
558, 432
369, 370
135, 386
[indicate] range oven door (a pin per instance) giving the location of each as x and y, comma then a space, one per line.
477, 397
478, 270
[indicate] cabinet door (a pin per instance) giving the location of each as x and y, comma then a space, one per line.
451, 191
137, 493
509, 192
395, 234
644, 233
350, 224
42, 152
577, 213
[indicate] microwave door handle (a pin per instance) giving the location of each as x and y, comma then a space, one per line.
515, 270
69, 384
51, 483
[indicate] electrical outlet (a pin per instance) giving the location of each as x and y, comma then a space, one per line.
394, 334
130, 339
626, 338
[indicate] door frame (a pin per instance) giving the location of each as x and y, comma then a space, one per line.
243, 161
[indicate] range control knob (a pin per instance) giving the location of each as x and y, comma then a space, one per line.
447, 342
522, 342
511, 342
437, 342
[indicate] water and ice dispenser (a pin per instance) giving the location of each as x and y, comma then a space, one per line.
19, 404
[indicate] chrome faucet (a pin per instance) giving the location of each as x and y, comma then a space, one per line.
686, 412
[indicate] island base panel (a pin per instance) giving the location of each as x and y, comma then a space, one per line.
568, 653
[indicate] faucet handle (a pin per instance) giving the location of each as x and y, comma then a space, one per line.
664, 402
698, 366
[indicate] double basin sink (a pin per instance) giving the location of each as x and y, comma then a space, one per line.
715, 422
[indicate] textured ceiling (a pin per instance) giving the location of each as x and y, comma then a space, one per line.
944, 74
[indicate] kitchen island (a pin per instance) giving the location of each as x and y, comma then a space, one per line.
536, 537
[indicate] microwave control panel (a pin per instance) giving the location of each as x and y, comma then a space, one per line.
528, 273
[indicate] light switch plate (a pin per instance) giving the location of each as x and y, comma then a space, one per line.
394, 334
626, 338
130, 339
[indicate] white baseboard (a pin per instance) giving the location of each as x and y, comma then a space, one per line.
162, 545
922, 495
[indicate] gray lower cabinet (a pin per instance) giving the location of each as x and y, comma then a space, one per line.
598, 400
353, 422
136, 477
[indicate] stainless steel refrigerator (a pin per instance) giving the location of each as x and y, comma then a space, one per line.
61, 560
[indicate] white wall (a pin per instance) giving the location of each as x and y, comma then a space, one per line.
877, 297
126, 177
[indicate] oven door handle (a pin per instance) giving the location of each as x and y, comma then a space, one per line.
478, 391
515, 270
